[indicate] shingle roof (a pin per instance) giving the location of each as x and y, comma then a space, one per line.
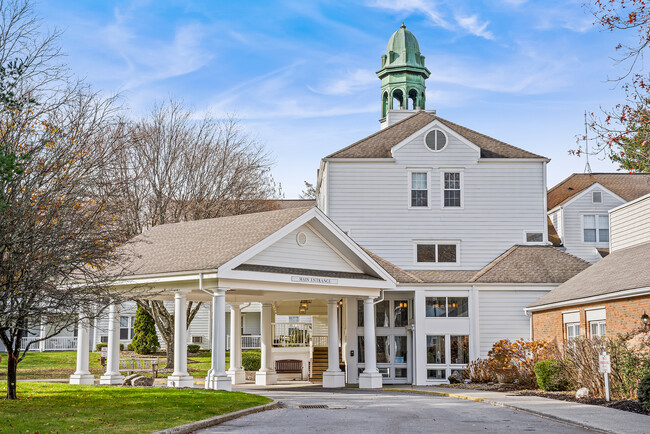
201, 244
620, 270
379, 144
531, 264
628, 186
519, 264
553, 237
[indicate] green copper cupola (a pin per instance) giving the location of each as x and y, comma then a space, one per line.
402, 73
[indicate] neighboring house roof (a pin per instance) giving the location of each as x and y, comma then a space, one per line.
553, 237
621, 270
519, 264
379, 144
201, 244
629, 186
290, 203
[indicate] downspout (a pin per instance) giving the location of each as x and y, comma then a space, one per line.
381, 298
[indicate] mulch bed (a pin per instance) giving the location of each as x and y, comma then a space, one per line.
630, 405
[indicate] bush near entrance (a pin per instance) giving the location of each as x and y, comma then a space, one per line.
251, 360
47, 407
145, 339
643, 392
549, 375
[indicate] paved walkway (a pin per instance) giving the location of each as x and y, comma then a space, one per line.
364, 411
591, 416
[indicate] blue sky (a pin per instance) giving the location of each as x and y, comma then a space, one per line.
300, 74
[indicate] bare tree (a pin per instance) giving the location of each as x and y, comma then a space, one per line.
175, 167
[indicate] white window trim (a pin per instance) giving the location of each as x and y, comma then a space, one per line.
424, 140
461, 171
582, 228
533, 242
597, 321
410, 183
429, 265
572, 324
447, 297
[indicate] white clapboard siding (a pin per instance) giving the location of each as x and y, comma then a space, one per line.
556, 220
314, 254
319, 325
502, 316
573, 213
630, 224
251, 323
501, 202
200, 326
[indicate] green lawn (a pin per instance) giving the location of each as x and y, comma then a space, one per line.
46, 407
62, 365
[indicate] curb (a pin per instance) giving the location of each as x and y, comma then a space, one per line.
216, 420
496, 404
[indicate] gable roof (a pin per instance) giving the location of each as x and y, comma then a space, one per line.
629, 186
379, 144
621, 270
201, 244
518, 264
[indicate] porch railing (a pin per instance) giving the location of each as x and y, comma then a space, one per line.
26, 341
67, 343
320, 341
291, 334
248, 342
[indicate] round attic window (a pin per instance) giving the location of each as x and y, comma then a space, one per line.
301, 238
436, 140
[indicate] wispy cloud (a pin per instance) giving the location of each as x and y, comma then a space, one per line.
350, 83
471, 24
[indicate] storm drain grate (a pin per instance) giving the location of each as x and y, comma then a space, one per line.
310, 406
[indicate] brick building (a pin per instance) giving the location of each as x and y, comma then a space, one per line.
609, 298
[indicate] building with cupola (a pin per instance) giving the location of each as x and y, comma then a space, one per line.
425, 243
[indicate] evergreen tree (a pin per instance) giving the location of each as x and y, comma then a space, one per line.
145, 339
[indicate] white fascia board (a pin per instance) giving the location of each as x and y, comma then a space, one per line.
435, 124
514, 160
632, 202
588, 190
303, 219
162, 278
359, 160
275, 282
596, 298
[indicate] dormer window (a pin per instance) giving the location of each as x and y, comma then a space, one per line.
596, 197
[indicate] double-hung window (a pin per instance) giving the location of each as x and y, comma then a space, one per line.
126, 327
572, 330
452, 194
597, 329
419, 190
595, 228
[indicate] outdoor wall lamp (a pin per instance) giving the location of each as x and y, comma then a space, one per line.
645, 319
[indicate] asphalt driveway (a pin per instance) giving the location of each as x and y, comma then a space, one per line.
351, 410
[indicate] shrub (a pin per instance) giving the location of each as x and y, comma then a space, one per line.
129, 347
549, 375
643, 392
251, 360
515, 361
104, 344
193, 348
145, 339
480, 372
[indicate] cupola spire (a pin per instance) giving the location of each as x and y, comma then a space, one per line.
402, 73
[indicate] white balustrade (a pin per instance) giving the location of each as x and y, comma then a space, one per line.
291, 334
320, 341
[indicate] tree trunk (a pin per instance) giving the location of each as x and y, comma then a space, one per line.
12, 367
170, 354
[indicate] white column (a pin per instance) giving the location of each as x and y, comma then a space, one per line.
370, 378
180, 377
236, 372
266, 375
112, 374
82, 375
217, 378
333, 377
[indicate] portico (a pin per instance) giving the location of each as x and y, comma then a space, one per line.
304, 257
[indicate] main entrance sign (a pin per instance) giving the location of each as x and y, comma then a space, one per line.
319, 280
